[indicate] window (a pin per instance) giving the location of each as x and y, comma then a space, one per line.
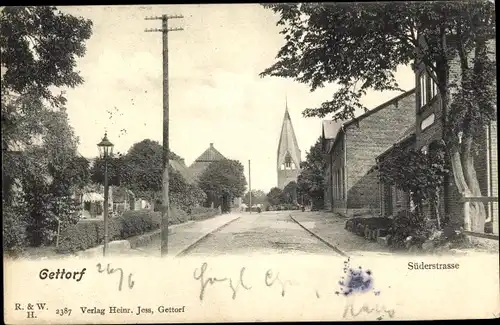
288, 161
342, 185
428, 121
339, 184
434, 88
334, 183
423, 89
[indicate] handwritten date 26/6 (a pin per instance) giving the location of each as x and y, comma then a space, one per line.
63, 311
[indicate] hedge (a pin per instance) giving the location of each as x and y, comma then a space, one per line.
357, 225
202, 213
88, 233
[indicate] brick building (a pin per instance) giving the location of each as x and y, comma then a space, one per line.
429, 116
354, 148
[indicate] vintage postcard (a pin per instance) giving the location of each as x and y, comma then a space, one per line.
249, 162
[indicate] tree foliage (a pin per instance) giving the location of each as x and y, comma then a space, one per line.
39, 47
223, 179
48, 174
275, 195
141, 170
116, 170
359, 46
311, 182
289, 194
258, 197
415, 172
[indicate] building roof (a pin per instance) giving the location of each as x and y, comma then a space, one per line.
408, 135
330, 129
181, 168
206, 158
92, 197
288, 142
370, 112
210, 155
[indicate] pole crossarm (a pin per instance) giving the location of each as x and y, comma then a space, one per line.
164, 17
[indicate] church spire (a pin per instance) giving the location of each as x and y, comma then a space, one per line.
288, 151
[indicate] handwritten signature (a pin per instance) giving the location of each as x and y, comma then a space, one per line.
379, 310
270, 281
110, 270
200, 274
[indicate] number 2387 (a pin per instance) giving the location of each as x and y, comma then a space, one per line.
63, 312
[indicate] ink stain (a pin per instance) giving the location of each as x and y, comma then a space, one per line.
358, 280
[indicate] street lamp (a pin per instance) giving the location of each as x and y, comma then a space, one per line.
105, 151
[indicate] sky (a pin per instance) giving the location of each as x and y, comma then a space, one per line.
216, 94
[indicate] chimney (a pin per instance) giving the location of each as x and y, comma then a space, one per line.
182, 161
211, 145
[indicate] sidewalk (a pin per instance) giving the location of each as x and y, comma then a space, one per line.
185, 235
330, 227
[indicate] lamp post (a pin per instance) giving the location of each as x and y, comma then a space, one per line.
105, 151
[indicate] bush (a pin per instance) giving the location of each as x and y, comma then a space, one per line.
410, 229
202, 213
87, 233
137, 222
177, 216
14, 231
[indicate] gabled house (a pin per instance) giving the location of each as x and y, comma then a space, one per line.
206, 158
353, 187
194, 171
179, 165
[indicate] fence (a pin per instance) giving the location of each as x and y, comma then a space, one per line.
491, 204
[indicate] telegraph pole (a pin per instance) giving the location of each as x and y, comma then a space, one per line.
165, 195
250, 186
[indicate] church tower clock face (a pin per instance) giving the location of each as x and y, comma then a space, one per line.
288, 160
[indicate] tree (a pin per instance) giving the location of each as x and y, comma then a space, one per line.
275, 195
38, 47
311, 180
140, 170
359, 47
116, 170
143, 169
258, 197
290, 193
223, 180
50, 173
38, 50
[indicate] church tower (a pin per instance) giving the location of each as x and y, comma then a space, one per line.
288, 162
